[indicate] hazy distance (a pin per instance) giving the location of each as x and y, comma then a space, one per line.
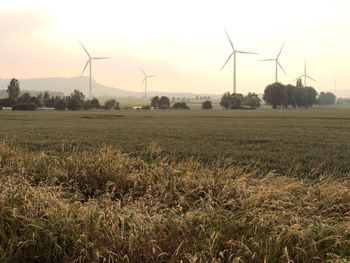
181, 42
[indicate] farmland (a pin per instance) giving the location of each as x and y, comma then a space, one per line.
165, 186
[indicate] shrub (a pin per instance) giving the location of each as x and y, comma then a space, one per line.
180, 105
163, 107
30, 106
206, 105
146, 107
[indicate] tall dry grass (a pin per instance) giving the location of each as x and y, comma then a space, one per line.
106, 206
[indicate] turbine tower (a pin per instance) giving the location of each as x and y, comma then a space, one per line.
145, 80
89, 63
277, 62
304, 75
335, 85
234, 51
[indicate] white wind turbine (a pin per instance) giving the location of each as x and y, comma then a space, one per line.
145, 80
335, 85
234, 51
304, 75
89, 63
277, 63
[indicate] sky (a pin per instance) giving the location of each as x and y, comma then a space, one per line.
183, 42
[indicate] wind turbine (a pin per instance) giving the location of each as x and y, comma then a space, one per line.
145, 80
304, 75
335, 85
89, 63
277, 62
234, 51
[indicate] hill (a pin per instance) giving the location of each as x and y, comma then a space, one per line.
67, 85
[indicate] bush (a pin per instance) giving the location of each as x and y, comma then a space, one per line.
0, 108
146, 107
206, 105
180, 105
30, 106
163, 107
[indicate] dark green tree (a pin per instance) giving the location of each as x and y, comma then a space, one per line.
13, 89
73, 104
226, 100
95, 103
327, 98
78, 95
60, 104
252, 101
276, 95
110, 104
236, 101
206, 105
155, 102
25, 97
164, 102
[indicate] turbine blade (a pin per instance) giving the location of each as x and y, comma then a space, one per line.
311, 78
100, 57
143, 81
84, 49
87, 63
281, 67
144, 73
244, 52
227, 61
229, 40
270, 59
281, 50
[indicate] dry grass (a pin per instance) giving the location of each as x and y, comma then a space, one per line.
106, 206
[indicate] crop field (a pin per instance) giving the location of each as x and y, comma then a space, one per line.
175, 185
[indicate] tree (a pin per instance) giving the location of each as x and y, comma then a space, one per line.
79, 96
276, 95
252, 101
46, 99
206, 105
73, 104
35, 100
7, 102
60, 104
236, 101
180, 105
327, 98
226, 100
164, 102
25, 106
13, 89
311, 96
95, 103
25, 97
110, 104
155, 102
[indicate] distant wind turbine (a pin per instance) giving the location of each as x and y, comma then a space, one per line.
234, 51
89, 63
145, 80
304, 75
335, 85
277, 62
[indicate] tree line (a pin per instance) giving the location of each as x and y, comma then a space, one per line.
75, 101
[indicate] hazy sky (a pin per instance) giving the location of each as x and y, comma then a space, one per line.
183, 42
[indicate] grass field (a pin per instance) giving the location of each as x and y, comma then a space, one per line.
172, 186
282, 140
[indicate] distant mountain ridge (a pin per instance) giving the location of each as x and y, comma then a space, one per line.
67, 85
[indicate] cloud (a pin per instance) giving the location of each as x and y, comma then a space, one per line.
14, 23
